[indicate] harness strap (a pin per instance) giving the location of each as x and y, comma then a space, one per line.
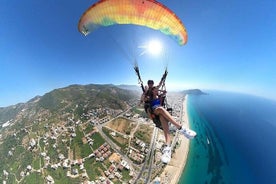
136, 69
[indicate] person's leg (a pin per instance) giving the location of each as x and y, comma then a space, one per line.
161, 111
190, 134
166, 131
149, 113
167, 153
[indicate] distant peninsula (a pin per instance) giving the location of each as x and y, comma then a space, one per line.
194, 92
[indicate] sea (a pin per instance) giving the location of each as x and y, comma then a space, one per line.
236, 139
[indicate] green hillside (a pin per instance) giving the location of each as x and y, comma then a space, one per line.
55, 126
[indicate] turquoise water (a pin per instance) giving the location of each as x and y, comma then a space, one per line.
235, 142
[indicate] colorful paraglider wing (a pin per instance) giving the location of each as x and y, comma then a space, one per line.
149, 13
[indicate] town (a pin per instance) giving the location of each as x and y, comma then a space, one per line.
100, 146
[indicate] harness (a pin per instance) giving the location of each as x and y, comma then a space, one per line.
163, 99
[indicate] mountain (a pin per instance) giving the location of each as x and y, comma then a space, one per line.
54, 129
91, 96
130, 87
194, 92
60, 101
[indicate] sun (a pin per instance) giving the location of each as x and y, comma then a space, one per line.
154, 47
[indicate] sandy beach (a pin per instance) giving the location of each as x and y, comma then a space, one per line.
172, 172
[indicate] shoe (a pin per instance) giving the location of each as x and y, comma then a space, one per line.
166, 157
190, 134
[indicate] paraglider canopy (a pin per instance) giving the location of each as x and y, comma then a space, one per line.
149, 13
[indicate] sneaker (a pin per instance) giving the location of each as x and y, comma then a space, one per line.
166, 157
190, 134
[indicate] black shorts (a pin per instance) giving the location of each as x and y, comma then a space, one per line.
157, 122
156, 119
146, 106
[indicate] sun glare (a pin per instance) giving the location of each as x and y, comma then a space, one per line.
154, 47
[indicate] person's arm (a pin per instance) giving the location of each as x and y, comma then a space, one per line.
162, 92
162, 79
160, 84
143, 96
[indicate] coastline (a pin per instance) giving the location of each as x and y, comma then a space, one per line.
173, 171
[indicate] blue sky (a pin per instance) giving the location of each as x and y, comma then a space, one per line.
231, 46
